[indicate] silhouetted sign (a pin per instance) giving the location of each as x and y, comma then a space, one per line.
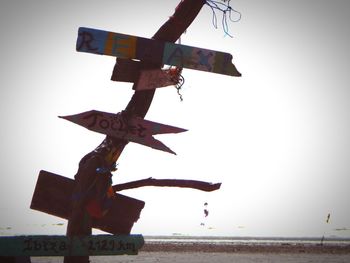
70, 246
132, 47
53, 195
126, 70
135, 129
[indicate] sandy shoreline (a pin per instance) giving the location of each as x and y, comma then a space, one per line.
215, 257
197, 252
245, 248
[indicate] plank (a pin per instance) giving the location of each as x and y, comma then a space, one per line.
132, 47
170, 31
126, 70
194, 184
135, 129
53, 195
95, 245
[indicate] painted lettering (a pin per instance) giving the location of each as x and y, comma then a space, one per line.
93, 116
118, 45
62, 246
131, 246
117, 124
176, 58
104, 124
28, 245
141, 130
44, 245
37, 245
131, 129
86, 40
204, 59
111, 244
104, 244
121, 245
53, 247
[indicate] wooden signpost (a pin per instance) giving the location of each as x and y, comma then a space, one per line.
134, 129
70, 199
131, 47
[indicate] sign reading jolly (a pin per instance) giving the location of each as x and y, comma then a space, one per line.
133, 129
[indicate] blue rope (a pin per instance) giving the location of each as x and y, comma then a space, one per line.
226, 9
103, 170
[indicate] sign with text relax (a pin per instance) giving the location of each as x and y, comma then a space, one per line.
158, 52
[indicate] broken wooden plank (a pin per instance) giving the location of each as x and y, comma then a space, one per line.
132, 47
134, 129
41, 245
53, 195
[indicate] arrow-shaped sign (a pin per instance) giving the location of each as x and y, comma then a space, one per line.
132, 47
134, 129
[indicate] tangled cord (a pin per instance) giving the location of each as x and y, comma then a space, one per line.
175, 75
224, 7
179, 84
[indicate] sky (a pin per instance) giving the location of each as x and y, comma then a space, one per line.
277, 138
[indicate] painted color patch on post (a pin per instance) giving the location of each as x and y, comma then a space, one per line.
158, 52
119, 45
75, 246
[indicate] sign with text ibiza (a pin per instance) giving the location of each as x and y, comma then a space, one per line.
134, 129
70, 246
132, 47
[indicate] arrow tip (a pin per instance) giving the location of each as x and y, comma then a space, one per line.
64, 117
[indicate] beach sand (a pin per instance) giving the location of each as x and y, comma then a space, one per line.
165, 252
206, 257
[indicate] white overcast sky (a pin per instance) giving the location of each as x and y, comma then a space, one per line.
277, 138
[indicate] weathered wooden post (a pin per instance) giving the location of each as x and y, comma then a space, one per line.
137, 107
110, 150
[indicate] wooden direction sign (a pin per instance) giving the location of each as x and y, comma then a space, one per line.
132, 47
53, 195
70, 246
135, 129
